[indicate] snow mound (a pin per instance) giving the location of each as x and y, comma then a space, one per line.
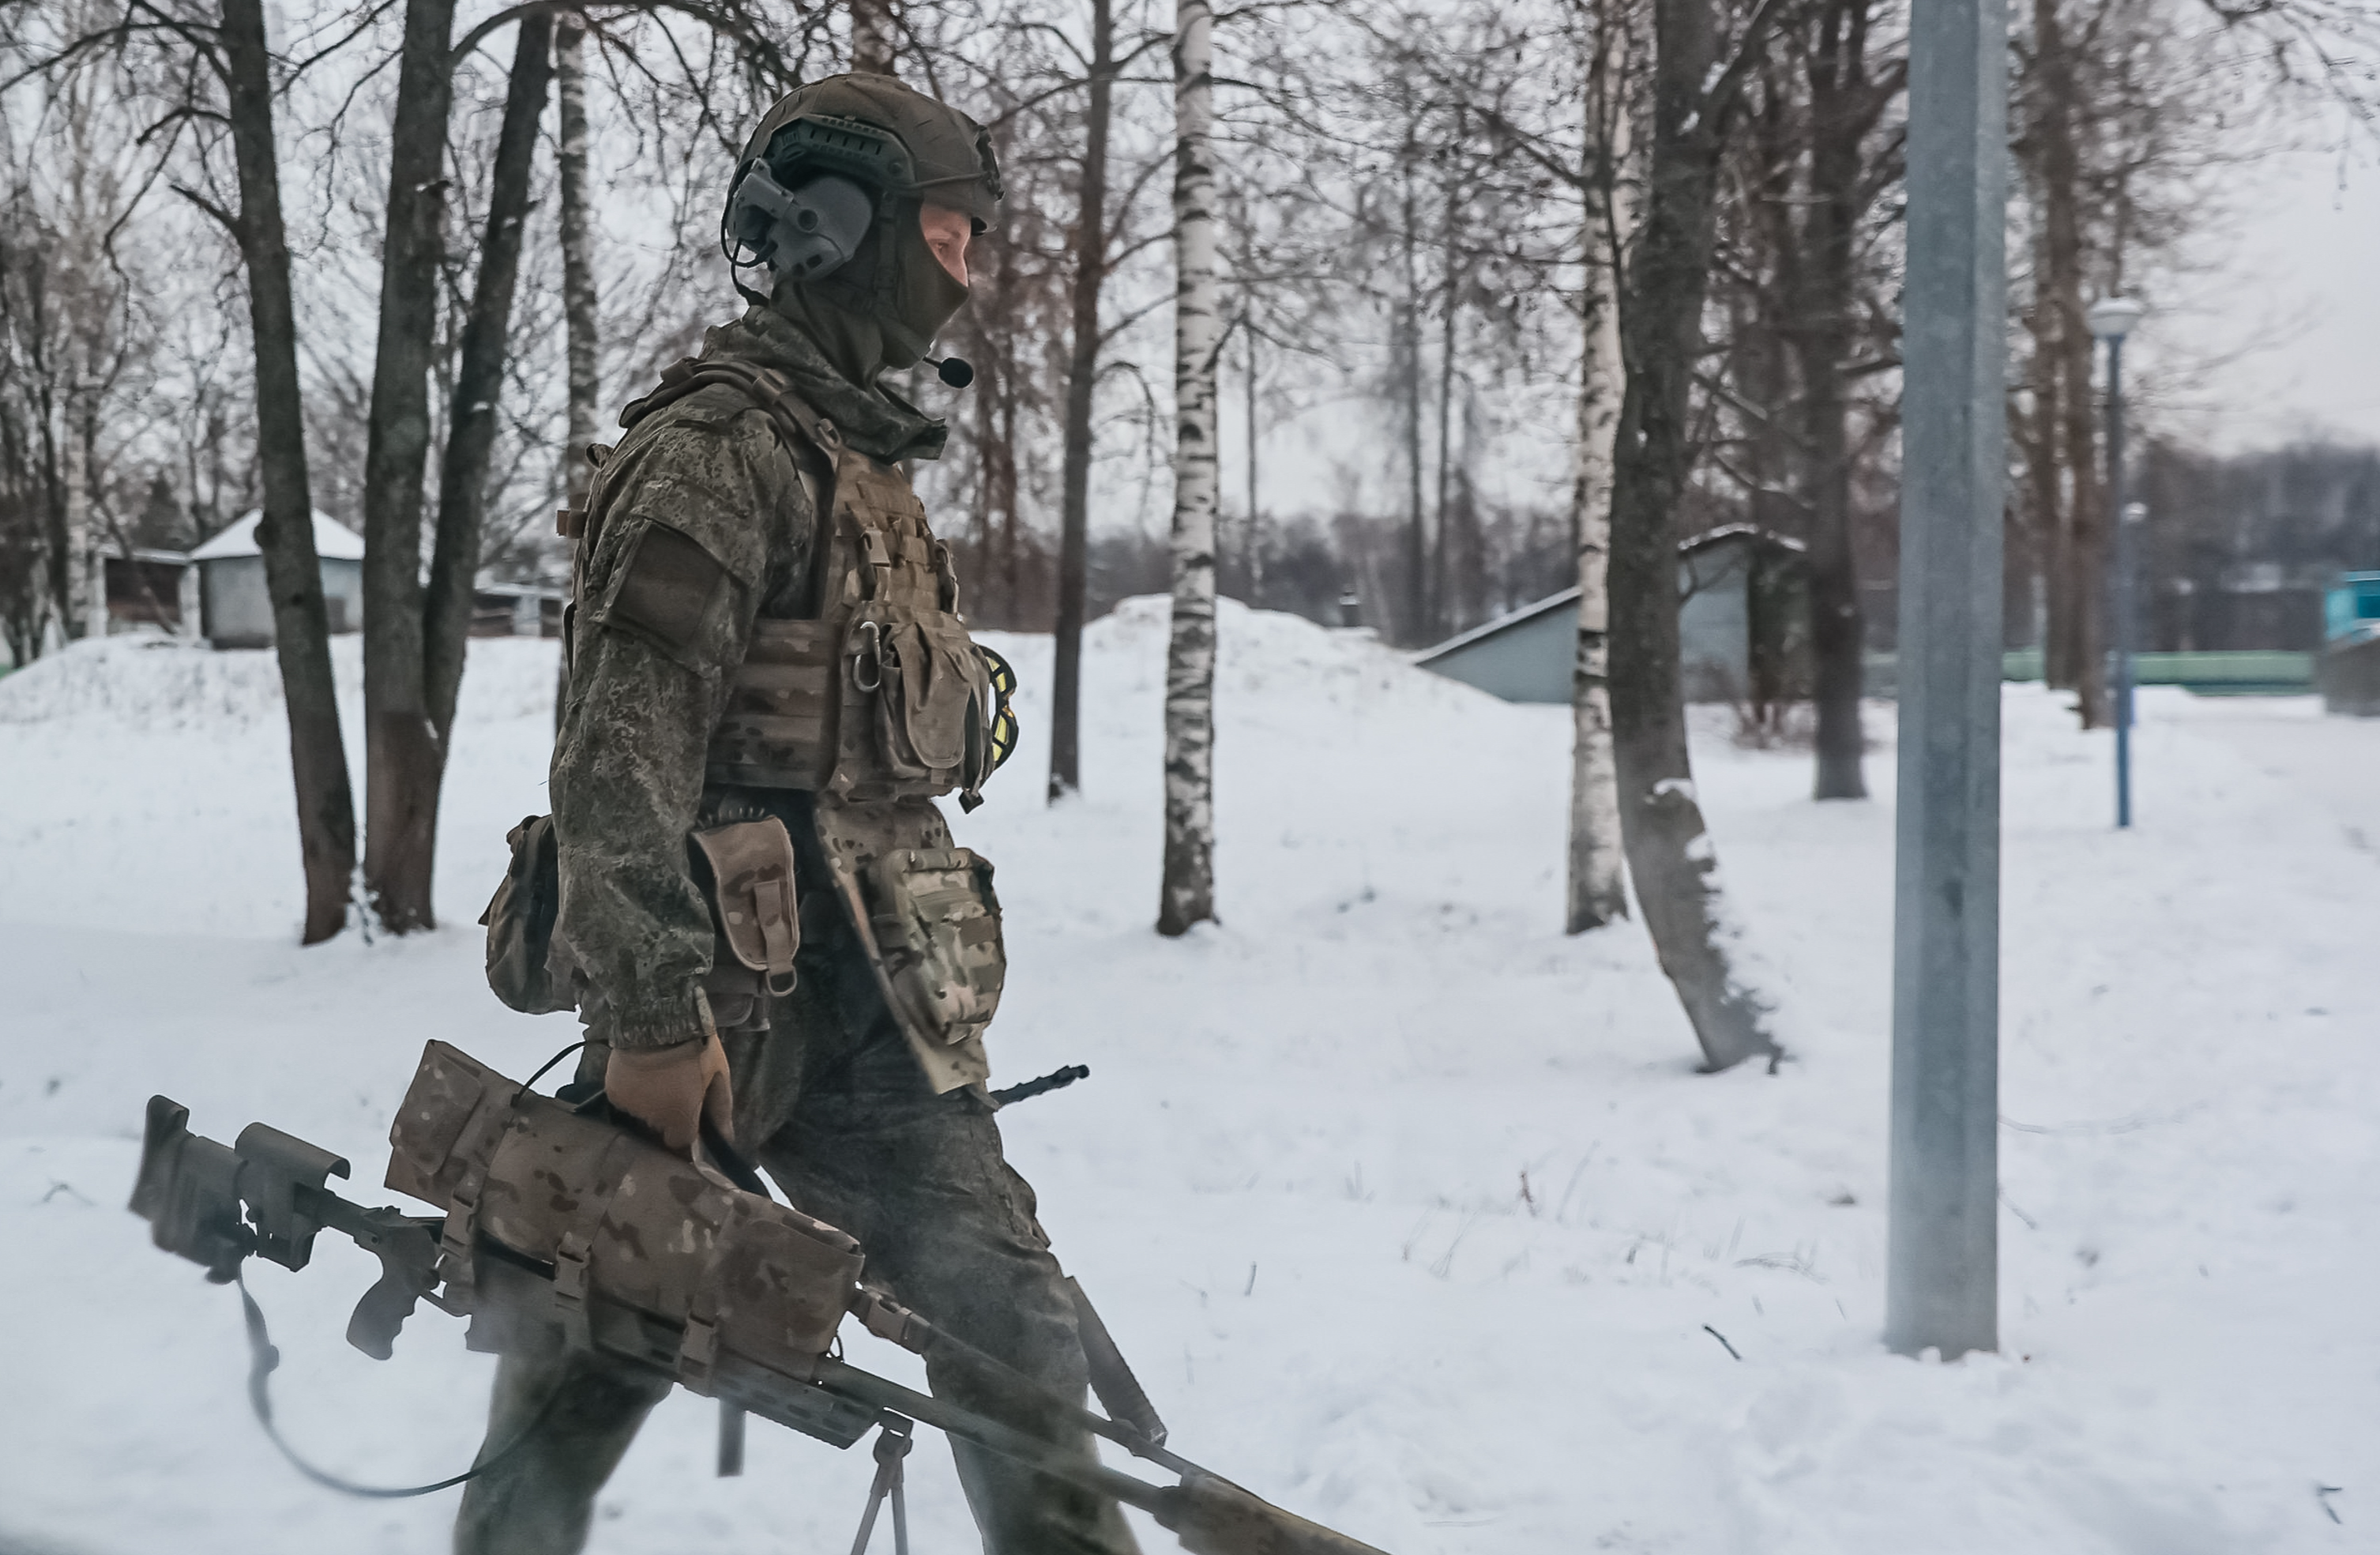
152, 682
1259, 653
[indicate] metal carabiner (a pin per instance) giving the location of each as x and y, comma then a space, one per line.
868, 659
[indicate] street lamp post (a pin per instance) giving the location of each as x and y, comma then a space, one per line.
2111, 318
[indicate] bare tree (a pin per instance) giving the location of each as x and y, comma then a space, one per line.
1186, 894
1090, 268
402, 760
326, 823
478, 379
1696, 93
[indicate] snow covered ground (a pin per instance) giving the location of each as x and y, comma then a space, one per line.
1410, 1210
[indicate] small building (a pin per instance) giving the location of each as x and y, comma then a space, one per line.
150, 590
1744, 629
236, 609
516, 610
2349, 669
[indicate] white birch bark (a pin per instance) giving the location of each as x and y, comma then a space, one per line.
581, 344
1187, 893
1598, 890
77, 613
578, 301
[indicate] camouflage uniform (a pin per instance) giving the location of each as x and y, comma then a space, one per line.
829, 1086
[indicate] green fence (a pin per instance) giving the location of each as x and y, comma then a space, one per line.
2257, 673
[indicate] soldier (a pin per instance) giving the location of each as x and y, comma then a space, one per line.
761, 912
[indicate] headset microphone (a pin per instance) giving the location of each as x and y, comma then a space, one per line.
952, 370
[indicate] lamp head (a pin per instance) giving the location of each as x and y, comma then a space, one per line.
2112, 318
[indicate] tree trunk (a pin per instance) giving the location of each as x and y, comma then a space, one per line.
1407, 359
1254, 540
2037, 444
1187, 893
301, 625
1082, 385
402, 757
2079, 548
581, 341
1443, 613
1598, 890
1839, 120
1669, 851
479, 383
875, 36
75, 603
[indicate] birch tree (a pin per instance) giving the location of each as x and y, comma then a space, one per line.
1187, 893
1598, 890
581, 340
582, 336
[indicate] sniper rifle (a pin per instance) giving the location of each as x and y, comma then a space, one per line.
560, 1226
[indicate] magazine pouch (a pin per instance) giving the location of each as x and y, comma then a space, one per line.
752, 902
520, 921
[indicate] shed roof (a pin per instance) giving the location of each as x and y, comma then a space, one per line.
1502, 624
334, 541
1569, 597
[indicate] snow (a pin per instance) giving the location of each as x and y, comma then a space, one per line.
334, 541
1410, 1211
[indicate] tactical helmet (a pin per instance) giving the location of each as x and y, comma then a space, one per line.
827, 192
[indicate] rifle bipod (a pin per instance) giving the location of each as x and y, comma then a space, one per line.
892, 1444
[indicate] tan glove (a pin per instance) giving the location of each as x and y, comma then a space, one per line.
672, 1089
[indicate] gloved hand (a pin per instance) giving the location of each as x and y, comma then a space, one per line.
672, 1089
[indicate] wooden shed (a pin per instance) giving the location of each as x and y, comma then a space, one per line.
235, 606
1744, 629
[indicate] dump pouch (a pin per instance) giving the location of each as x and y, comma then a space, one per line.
752, 901
937, 926
924, 914
520, 921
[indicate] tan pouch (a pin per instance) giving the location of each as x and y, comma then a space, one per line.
869, 847
935, 684
752, 896
937, 924
520, 921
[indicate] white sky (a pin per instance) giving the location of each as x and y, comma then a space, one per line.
2293, 315
2274, 336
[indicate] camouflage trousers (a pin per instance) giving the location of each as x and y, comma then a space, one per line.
949, 1229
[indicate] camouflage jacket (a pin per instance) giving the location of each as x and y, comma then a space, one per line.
627, 782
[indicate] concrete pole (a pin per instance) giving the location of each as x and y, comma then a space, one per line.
1943, 1275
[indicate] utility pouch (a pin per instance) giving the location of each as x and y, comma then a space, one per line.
935, 686
520, 921
752, 899
936, 927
